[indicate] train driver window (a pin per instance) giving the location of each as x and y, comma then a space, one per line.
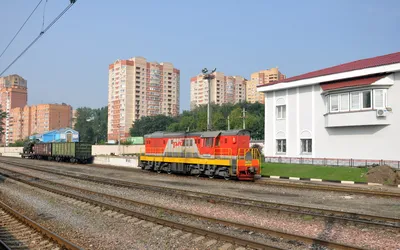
208, 142
217, 141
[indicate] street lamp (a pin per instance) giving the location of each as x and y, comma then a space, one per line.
209, 77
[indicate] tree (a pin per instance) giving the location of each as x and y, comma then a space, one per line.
3, 116
196, 120
18, 143
92, 124
151, 124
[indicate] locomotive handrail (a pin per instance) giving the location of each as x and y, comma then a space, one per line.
155, 150
223, 152
255, 153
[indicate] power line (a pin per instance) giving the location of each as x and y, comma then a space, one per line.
40, 35
21, 28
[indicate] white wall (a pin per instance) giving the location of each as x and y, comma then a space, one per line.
116, 161
362, 142
305, 109
117, 150
11, 150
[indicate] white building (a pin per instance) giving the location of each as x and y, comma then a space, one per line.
349, 111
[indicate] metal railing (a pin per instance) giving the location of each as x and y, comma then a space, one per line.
223, 153
337, 162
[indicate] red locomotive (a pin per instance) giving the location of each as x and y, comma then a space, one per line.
225, 154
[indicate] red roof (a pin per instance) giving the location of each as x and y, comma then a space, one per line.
360, 64
351, 83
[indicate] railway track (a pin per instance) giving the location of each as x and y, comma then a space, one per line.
327, 214
19, 232
299, 185
89, 200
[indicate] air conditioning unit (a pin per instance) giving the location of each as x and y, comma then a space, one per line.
381, 112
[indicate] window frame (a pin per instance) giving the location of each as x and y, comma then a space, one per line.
384, 98
340, 102
279, 145
351, 100
362, 99
308, 142
330, 103
280, 108
355, 100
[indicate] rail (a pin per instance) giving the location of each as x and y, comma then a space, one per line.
62, 242
184, 227
3, 246
231, 200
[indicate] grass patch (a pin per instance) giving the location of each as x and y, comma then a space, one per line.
307, 217
315, 171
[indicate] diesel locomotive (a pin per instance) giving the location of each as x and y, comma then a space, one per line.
225, 154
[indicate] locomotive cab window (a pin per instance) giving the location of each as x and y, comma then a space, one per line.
208, 142
217, 141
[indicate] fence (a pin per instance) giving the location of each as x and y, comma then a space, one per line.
332, 161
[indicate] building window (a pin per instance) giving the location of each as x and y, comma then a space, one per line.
281, 112
380, 98
366, 99
358, 100
281, 146
334, 103
306, 146
344, 102
355, 101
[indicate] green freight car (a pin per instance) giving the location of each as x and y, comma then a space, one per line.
71, 151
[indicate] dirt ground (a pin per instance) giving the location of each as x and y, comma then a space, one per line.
384, 175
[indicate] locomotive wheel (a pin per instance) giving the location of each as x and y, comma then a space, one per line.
227, 178
211, 176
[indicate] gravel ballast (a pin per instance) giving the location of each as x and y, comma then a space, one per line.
313, 227
89, 229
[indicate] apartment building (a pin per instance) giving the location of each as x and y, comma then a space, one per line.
74, 118
137, 88
223, 89
262, 77
38, 119
13, 94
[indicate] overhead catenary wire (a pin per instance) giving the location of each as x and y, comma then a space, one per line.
44, 12
21, 28
39, 36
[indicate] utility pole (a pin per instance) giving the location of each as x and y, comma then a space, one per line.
119, 138
244, 118
229, 125
208, 77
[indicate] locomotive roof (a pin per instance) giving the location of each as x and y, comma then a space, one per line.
161, 134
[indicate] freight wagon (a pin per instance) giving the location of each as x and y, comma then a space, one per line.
59, 151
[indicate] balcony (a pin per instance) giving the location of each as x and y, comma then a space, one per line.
356, 118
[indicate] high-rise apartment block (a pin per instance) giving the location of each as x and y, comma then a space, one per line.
13, 94
38, 119
223, 89
260, 78
137, 88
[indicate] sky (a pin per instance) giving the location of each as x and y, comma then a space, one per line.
70, 62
